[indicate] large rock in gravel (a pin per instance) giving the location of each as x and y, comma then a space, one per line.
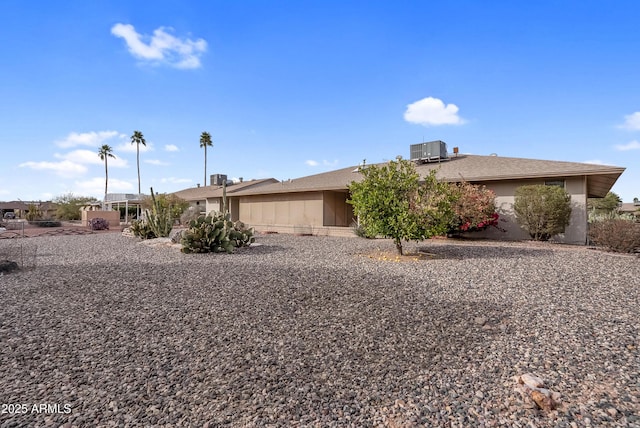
176, 235
532, 387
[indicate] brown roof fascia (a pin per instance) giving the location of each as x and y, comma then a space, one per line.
204, 192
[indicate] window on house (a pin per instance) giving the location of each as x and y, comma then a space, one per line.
559, 183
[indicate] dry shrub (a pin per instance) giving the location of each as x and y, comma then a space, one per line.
622, 236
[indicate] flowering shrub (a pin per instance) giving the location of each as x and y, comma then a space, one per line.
474, 208
468, 226
98, 223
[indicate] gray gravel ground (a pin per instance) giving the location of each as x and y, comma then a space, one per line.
309, 331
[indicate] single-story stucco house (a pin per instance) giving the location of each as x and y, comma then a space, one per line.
20, 208
632, 208
209, 198
317, 204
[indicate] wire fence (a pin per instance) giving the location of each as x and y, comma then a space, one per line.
16, 252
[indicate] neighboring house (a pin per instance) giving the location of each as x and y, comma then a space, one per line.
20, 208
115, 201
48, 209
317, 204
209, 198
630, 208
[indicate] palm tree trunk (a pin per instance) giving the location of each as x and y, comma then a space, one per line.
106, 181
138, 161
204, 183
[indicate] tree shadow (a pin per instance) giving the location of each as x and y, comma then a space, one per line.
483, 251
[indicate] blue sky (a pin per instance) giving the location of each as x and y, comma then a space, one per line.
293, 88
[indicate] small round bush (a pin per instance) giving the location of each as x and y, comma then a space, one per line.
98, 223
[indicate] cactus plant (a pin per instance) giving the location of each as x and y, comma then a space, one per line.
225, 207
157, 222
240, 235
159, 218
141, 229
215, 233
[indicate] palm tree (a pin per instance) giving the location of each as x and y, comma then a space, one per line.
137, 138
105, 152
205, 140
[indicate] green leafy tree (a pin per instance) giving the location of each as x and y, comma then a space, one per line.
34, 213
105, 153
68, 206
205, 141
174, 204
137, 138
610, 203
543, 211
393, 202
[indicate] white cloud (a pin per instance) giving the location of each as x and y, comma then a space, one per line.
432, 112
94, 139
632, 122
127, 147
91, 157
633, 145
312, 162
65, 168
95, 186
156, 162
330, 163
162, 47
73, 163
171, 148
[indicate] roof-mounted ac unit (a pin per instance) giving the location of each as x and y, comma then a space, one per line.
429, 152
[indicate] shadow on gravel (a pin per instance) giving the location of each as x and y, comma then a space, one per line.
486, 251
262, 249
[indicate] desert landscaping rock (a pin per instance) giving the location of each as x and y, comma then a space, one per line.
307, 331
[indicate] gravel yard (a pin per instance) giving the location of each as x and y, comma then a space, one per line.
311, 331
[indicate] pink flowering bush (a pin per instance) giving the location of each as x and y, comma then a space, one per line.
98, 223
474, 208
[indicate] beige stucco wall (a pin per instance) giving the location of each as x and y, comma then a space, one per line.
310, 212
213, 204
199, 206
216, 204
304, 209
576, 232
336, 210
113, 217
